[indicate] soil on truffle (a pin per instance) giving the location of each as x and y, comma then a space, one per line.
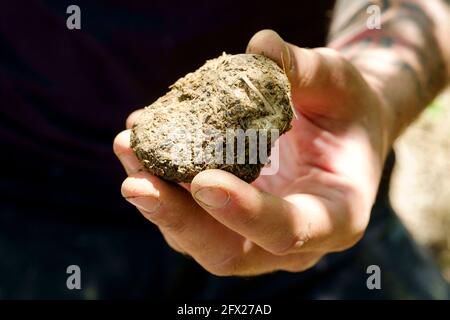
243, 91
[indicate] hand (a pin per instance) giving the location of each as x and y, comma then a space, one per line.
318, 202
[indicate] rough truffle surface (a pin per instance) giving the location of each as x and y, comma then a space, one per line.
243, 91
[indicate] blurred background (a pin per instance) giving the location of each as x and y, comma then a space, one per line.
420, 187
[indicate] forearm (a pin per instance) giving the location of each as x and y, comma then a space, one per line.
406, 60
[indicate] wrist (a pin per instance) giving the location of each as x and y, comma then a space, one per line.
394, 80
388, 123
382, 108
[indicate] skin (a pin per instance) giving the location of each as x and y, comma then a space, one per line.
330, 162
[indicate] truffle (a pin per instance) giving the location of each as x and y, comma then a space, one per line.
207, 115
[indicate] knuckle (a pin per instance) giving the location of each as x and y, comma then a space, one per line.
172, 226
303, 264
175, 247
353, 217
354, 228
290, 244
349, 241
356, 237
226, 267
358, 219
358, 224
171, 243
247, 219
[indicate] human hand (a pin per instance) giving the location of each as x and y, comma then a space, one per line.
318, 202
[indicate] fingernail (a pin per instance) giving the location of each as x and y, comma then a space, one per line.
290, 65
212, 197
148, 204
288, 56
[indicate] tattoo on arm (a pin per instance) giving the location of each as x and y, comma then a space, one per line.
406, 51
406, 43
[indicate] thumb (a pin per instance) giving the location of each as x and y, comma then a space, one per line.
268, 43
273, 223
246, 210
319, 77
